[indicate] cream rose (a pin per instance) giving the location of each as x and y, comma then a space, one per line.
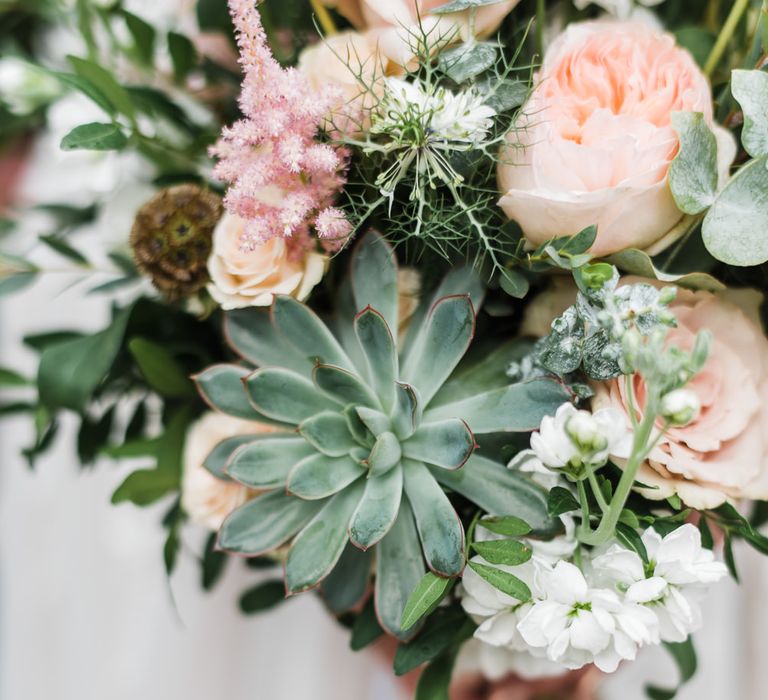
723, 452
242, 278
596, 141
206, 499
395, 23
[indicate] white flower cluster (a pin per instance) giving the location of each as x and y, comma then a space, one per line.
573, 438
601, 614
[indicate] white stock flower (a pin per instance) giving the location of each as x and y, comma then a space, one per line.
572, 438
577, 624
672, 583
680, 406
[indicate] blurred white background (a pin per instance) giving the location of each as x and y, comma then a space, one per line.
86, 612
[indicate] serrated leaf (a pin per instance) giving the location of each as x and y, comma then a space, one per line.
750, 88
503, 581
693, 172
425, 597
506, 552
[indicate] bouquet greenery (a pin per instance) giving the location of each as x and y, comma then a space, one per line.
451, 311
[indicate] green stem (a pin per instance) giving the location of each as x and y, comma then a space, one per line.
597, 490
584, 508
738, 9
541, 18
608, 523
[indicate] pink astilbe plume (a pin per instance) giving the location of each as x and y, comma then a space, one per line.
282, 179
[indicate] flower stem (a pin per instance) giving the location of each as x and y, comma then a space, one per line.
541, 18
324, 17
584, 507
738, 9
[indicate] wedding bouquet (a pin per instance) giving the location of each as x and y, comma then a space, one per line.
448, 312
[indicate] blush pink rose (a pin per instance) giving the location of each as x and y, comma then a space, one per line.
723, 453
596, 141
395, 23
241, 277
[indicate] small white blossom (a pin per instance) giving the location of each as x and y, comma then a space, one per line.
671, 584
680, 406
572, 438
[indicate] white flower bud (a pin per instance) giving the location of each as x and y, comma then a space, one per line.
586, 432
680, 406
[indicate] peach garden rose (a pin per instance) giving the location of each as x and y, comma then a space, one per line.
596, 139
241, 277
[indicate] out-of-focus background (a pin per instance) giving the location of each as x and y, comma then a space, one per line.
86, 611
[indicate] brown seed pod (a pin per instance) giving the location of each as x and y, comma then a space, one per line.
171, 238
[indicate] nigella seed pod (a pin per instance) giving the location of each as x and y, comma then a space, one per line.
171, 238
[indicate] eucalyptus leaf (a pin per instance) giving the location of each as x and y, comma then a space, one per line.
638, 262
750, 88
693, 172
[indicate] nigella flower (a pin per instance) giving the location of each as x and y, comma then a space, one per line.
671, 584
281, 177
424, 125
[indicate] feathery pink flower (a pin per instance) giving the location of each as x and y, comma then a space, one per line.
282, 179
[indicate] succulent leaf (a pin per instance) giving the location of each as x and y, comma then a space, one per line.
329, 433
376, 421
221, 387
344, 386
374, 277
380, 352
446, 337
515, 408
286, 396
385, 454
399, 568
407, 412
265, 463
217, 460
440, 530
357, 427
447, 443
265, 523
252, 336
304, 330
320, 476
377, 509
319, 545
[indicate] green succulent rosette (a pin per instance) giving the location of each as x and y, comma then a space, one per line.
374, 439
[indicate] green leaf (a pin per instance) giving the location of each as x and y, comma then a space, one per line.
87, 88
183, 55
399, 568
630, 538
373, 273
580, 243
730, 560
286, 396
218, 459
143, 35
64, 249
407, 412
515, 408
439, 527
328, 433
105, 83
733, 229
262, 597
265, 523
448, 443
507, 525
319, 476
161, 370
346, 585
221, 387
461, 5
251, 335
750, 88
145, 486
439, 633
378, 508
514, 282
466, 60
561, 500
435, 679
385, 453
71, 370
501, 491
266, 462
94, 136
16, 281
344, 386
212, 564
638, 262
507, 552
425, 598
693, 172
366, 628
503, 581
684, 655
449, 330
380, 352
9, 377
320, 543
506, 95
304, 330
